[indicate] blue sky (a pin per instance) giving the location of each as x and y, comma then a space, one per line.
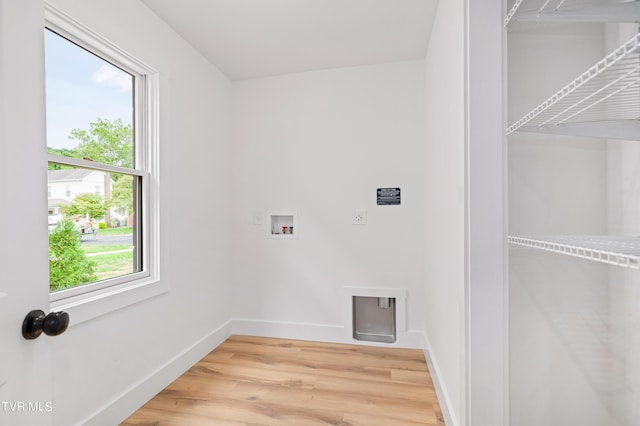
81, 88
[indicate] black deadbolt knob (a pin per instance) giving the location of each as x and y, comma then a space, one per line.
32, 324
36, 322
55, 323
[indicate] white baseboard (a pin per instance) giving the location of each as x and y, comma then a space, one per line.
450, 419
119, 408
318, 333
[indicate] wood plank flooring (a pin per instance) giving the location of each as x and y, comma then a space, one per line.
251, 381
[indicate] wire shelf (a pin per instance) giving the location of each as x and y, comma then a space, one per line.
574, 10
619, 251
604, 101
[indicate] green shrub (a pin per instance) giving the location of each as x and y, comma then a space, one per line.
102, 225
68, 264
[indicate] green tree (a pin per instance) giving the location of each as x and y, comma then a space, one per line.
84, 204
108, 142
122, 195
68, 264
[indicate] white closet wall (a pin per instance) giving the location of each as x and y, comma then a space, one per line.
557, 186
574, 338
623, 217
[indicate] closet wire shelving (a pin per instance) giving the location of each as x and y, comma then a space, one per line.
618, 251
574, 10
604, 102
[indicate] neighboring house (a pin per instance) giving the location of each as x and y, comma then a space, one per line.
63, 185
56, 205
66, 184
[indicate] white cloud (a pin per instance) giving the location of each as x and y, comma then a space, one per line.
110, 77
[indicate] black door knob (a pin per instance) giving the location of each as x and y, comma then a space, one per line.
36, 322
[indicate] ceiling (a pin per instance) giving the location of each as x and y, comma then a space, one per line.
258, 38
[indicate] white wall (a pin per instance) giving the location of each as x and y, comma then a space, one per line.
320, 143
624, 284
108, 360
623, 165
444, 212
559, 351
485, 217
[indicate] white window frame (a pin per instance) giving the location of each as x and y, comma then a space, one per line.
91, 300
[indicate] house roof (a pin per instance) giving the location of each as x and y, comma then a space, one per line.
57, 202
68, 174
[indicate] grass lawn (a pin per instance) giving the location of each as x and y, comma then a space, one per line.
125, 230
113, 265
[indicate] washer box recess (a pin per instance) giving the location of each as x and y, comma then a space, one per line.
282, 224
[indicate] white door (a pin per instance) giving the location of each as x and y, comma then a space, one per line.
25, 365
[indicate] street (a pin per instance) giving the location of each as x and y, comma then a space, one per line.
107, 239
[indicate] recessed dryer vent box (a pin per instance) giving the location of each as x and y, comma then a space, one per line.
282, 224
374, 319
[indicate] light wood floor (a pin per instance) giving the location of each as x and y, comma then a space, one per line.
261, 381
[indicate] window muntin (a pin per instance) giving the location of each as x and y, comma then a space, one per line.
106, 144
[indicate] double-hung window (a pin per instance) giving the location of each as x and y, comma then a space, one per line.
101, 118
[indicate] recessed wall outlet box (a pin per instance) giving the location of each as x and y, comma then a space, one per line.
359, 217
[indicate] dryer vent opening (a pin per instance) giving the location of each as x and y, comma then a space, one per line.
374, 319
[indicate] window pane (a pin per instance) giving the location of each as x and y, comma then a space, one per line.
91, 237
89, 105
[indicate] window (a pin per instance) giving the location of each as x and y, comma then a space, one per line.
48, 191
100, 139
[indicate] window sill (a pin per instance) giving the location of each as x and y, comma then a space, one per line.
88, 306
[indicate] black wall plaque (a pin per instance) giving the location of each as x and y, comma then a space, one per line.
388, 196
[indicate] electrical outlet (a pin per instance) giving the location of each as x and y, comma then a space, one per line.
359, 217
